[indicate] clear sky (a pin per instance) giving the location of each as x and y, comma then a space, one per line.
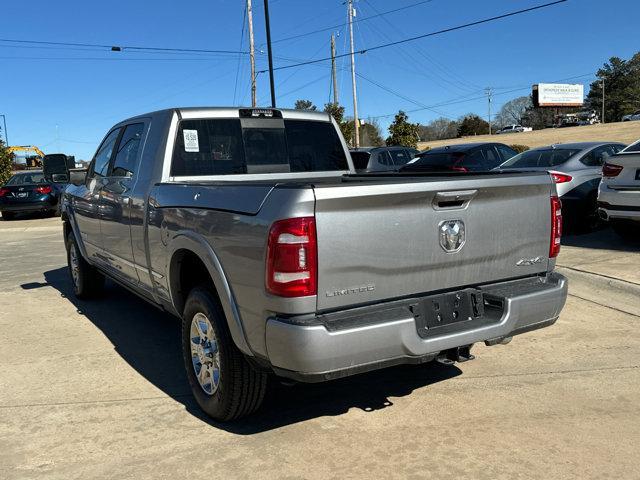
66, 98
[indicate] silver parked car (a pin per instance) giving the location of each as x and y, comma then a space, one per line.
576, 168
380, 159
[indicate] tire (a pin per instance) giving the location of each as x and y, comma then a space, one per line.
240, 387
87, 281
627, 229
7, 216
590, 219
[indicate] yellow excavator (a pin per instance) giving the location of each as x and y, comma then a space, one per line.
33, 161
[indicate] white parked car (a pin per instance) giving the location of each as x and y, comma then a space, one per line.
619, 192
632, 116
514, 129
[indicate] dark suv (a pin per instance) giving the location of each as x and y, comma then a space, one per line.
465, 157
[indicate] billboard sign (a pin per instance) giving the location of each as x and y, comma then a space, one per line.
558, 95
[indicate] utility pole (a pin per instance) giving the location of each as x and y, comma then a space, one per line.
333, 69
489, 94
603, 121
252, 54
356, 122
269, 54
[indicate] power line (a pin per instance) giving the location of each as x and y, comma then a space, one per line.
244, 18
430, 34
363, 19
118, 48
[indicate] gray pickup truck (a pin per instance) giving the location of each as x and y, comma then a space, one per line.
252, 227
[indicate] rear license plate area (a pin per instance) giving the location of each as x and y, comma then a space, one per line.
448, 312
22, 195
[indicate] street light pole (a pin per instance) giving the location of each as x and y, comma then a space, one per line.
6, 135
268, 28
603, 121
353, 79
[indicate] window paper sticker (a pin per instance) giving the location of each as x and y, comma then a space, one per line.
191, 141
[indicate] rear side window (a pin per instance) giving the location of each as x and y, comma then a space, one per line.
436, 160
549, 157
224, 147
400, 157
506, 152
127, 156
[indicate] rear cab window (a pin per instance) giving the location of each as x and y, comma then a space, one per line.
237, 146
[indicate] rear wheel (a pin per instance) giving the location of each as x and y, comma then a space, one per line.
87, 280
8, 215
223, 382
627, 229
591, 220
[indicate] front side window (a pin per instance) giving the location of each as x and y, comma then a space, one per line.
101, 160
223, 147
127, 156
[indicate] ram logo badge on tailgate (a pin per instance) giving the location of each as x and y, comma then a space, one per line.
452, 235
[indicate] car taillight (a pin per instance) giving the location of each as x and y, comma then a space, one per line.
556, 227
292, 258
460, 169
4, 191
611, 170
561, 177
44, 189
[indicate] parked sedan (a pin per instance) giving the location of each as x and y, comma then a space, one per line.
619, 192
514, 129
380, 159
29, 192
464, 157
576, 168
632, 116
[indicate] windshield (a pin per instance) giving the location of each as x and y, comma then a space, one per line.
226, 146
547, 157
26, 179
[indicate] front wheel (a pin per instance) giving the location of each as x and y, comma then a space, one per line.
222, 381
87, 280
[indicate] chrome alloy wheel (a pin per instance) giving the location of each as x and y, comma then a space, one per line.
74, 264
205, 355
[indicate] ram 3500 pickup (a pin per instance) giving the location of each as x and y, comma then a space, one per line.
252, 227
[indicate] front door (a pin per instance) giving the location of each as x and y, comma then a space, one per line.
86, 198
115, 204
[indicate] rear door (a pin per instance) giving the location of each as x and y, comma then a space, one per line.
115, 203
379, 241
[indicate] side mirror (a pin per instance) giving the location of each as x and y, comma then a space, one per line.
78, 176
60, 178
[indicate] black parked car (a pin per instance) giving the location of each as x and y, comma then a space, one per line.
29, 191
465, 157
380, 159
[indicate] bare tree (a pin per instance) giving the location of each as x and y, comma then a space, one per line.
513, 111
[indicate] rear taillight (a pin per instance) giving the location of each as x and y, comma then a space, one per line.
611, 170
561, 177
4, 191
460, 169
292, 258
556, 227
44, 189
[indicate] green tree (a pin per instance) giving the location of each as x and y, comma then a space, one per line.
346, 126
402, 132
472, 124
622, 88
6, 163
370, 134
439, 129
305, 105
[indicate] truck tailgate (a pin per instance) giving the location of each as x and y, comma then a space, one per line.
380, 240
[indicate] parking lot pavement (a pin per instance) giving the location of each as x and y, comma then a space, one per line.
96, 390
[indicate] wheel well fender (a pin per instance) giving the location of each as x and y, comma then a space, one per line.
190, 252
